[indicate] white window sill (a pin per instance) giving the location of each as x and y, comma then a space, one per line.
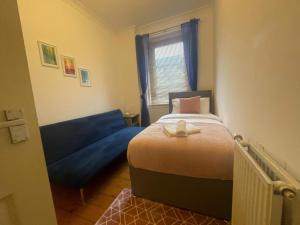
158, 105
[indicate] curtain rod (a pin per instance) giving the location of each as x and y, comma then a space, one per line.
167, 29
164, 30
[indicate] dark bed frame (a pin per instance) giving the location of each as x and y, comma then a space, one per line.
212, 197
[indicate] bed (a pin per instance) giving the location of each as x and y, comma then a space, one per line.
194, 172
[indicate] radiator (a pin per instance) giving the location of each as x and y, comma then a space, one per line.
262, 191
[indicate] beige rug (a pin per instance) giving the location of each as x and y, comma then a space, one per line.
130, 210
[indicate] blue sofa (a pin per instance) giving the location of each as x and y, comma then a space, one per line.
78, 149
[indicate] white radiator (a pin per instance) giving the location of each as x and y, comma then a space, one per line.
262, 191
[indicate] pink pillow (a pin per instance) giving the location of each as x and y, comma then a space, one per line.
190, 105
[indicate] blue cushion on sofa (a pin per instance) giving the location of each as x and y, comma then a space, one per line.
64, 138
78, 168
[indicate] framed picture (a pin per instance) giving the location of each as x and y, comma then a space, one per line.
48, 54
69, 67
84, 77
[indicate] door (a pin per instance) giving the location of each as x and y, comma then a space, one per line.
25, 196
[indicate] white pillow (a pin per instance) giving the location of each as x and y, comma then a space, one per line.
204, 105
176, 105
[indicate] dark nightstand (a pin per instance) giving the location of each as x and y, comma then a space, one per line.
132, 120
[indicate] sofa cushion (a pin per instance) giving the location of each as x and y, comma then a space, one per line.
79, 167
64, 138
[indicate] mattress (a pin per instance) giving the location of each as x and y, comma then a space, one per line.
208, 154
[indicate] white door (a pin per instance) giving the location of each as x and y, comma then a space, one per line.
25, 196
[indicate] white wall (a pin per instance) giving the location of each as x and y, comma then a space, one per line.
257, 84
109, 55
128, 85
127, 48
78, 34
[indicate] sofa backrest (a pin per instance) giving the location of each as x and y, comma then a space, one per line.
64, 138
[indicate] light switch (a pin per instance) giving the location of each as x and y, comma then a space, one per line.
13, 114
18, 134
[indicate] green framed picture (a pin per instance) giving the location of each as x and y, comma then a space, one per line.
48, 54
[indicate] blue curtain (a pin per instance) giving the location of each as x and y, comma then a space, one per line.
189, 32
142, 49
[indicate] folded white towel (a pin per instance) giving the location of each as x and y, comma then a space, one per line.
180, 130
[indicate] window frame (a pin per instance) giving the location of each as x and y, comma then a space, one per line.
155, 42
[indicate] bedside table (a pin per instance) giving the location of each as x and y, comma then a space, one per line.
132, 120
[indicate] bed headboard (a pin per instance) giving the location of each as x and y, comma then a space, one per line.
188, 94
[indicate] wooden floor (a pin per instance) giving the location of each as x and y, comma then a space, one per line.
99, 195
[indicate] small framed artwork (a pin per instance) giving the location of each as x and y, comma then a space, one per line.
48, 54
69, 67
84, 77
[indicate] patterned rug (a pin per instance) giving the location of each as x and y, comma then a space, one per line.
130, 210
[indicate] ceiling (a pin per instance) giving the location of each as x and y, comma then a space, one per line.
125, 13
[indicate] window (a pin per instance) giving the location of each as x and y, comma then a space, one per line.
167, 67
